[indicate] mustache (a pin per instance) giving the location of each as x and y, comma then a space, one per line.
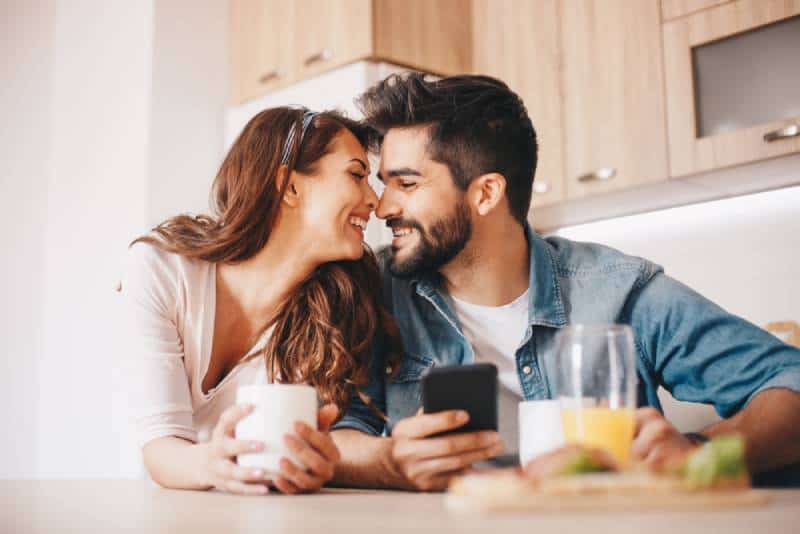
407, 223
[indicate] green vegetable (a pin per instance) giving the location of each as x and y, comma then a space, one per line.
583, 463
720, 458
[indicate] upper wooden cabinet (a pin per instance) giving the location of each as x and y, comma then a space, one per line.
276, 43
614, 124
672, 9
261, 51
518, 41
733, 85
330, 33
590, 74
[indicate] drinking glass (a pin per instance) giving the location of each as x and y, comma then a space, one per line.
596, 387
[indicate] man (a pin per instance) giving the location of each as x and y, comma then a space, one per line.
467, 279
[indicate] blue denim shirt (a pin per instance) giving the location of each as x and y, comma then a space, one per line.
684, 342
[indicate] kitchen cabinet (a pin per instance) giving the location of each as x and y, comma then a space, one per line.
275, 44
261, 56
613, 86
673, 9
519, 42
590, 74
733, 85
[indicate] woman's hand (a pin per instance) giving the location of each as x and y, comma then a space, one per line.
315, 449
223, 473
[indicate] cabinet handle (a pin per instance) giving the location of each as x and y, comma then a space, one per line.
325, 55
268, 77
793, 130
541, 188
601, 175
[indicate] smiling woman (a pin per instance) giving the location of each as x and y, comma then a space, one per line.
275, 285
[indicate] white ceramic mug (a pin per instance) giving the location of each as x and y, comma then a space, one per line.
277, 408
540, 429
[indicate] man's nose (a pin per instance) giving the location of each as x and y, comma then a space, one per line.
388, 206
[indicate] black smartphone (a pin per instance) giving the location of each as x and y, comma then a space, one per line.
472, 388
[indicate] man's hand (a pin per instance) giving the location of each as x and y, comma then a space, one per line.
657, 442
428, 463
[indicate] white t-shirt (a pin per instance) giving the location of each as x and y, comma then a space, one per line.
170, 303
495, 333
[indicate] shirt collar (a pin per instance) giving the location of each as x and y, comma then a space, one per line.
545, 302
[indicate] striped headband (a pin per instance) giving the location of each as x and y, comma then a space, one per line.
308, 116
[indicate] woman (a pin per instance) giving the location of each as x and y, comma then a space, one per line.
275, 286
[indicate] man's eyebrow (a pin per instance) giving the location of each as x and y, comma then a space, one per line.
402, 171
361, 161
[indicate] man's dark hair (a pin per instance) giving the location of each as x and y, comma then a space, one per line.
477, 126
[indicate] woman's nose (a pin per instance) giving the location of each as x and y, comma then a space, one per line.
371, 198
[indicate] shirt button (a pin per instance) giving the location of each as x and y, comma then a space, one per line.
527, 370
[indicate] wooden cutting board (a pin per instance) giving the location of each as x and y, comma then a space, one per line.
531, 502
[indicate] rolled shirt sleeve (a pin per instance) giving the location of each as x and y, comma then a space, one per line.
701, 353
159, 393
359, 416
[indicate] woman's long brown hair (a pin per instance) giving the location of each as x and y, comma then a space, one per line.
325, 331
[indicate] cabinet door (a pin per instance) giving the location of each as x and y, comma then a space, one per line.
733, 85
434, 36
614, 127
518, 42
330, 33
260, 48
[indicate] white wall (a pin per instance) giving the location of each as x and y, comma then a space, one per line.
742, 252
26, 46
189, 98
111, 121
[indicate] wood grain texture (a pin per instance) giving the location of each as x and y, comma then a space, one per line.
613, 94
689, 153
431, 36
672, 9
518, 42
341, 28
260, 31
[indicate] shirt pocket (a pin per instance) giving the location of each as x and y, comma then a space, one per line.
412, 368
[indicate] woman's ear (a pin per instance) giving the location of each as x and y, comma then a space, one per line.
290, 196
486, 192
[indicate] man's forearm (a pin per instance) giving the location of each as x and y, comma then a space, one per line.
770, 425
366, 461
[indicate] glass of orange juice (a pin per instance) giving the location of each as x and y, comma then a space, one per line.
596, 387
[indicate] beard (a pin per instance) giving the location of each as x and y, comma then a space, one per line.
447, 237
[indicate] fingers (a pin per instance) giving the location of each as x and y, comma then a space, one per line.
652, 431
326, 416
230, 447
227, 421
435, 467
320, 441
304, 481
237, 479
318, 465
421, 426
285, 486
410, 450
643, 415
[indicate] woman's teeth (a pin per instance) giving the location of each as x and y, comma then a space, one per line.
358, 221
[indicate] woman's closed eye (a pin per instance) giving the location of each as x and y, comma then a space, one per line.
358, 175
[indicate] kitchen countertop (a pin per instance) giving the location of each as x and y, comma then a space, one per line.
138, 506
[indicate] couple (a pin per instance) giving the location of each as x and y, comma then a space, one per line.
278, 286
